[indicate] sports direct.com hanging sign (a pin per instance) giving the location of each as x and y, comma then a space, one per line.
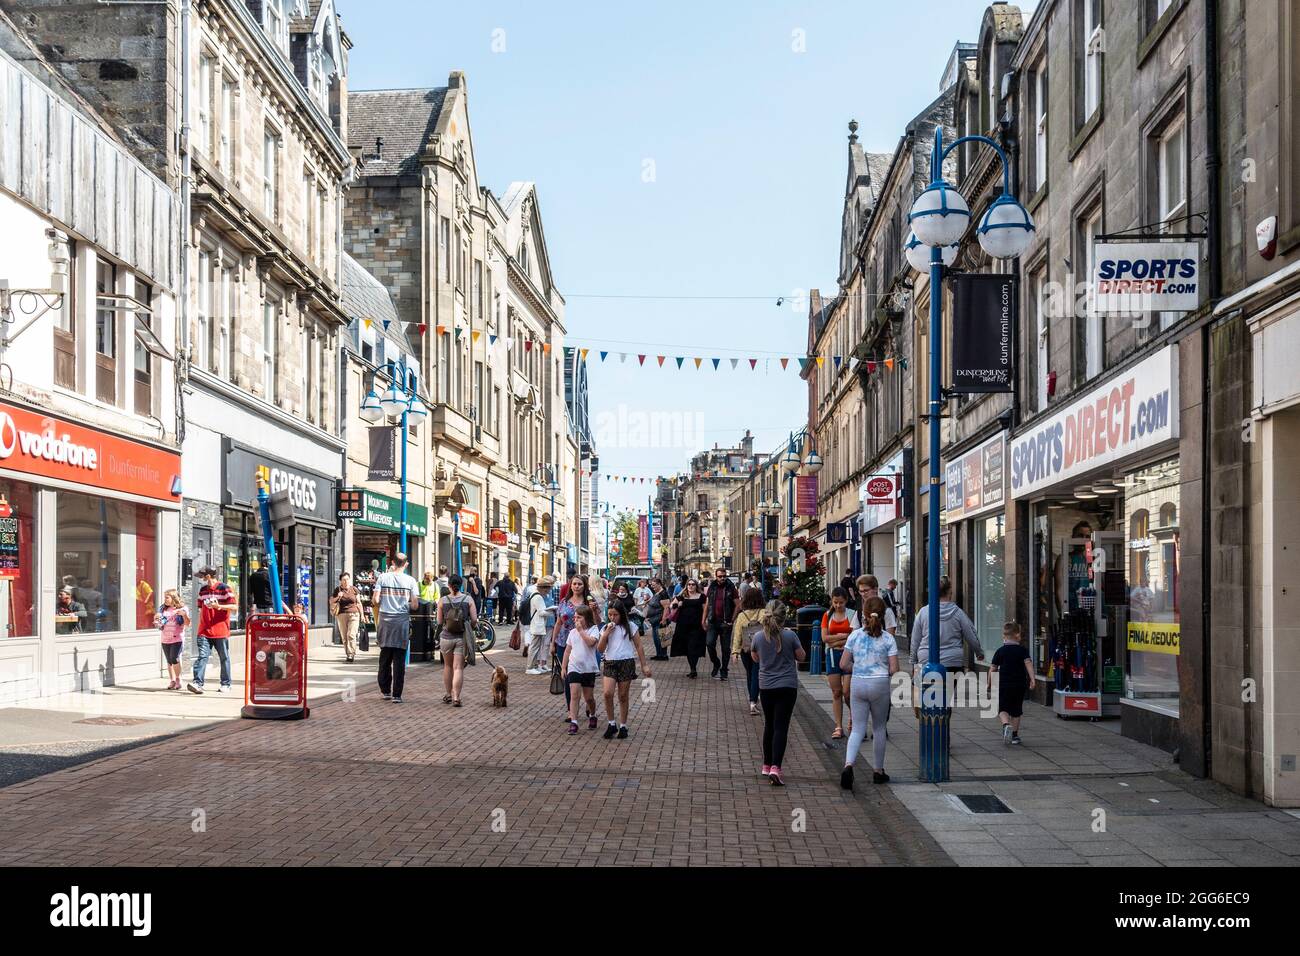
1139, 410
1136, 277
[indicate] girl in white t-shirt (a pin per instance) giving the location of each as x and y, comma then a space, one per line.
622, 649
870, 657
580, 666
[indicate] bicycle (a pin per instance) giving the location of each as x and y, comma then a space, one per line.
485, 636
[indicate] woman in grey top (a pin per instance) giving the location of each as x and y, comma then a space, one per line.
458, 621
776, 650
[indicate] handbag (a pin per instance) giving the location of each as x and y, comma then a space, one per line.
516, 642
471, 646
557, 678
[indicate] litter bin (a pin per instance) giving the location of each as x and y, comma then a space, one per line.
805, 618
424, 621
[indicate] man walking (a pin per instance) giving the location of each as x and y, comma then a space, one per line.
259, 589
956, 633
474, 588
396, 595
506, 591
216, 601
719, 610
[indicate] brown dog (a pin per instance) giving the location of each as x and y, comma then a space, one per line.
500, 681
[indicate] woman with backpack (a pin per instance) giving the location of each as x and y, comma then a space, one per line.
458, 622
776, 650
532, 614
749, 620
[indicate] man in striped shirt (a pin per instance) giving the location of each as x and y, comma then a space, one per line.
396, 594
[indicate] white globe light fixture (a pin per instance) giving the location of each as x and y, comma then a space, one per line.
417, 412
918, 254
813, 463
939, 216
790, 461
1006, 228
371, 410
393, 400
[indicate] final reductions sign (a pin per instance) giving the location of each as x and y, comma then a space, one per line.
983, 313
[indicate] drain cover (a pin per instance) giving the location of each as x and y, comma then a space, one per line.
983, 803
114, 721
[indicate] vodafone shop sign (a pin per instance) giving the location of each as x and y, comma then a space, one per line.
46, 446
1132, 413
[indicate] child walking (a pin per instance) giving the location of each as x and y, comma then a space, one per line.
1015, 674
622, 649
580, 665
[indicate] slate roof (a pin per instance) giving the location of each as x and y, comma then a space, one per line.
364, 297
404, 119
878, 169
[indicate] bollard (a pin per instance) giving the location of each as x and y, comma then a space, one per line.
816, 658
935, 722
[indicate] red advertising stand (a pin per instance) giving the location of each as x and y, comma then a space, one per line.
275, 667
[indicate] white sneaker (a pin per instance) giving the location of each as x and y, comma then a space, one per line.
1006, 733
223, 689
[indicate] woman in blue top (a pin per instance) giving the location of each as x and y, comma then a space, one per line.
871, 658
565, 618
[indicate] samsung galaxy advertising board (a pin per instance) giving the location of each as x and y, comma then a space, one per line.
1136, 411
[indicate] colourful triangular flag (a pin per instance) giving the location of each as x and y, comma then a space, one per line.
785, 362
492, 340
871, 368
640, 359
528, 345
475, 334
837, 363
367, 321
622, 356
698, 362
546, 348
735, 362
680, 360
458, 331
715, 363
423, 328
583, 353
902, 363
660, 359
440, 329
753, 364
821, 360
889, 364
802, 363
386, 324
603, 356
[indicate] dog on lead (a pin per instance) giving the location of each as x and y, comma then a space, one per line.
500, 683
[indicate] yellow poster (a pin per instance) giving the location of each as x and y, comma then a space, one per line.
1153, 638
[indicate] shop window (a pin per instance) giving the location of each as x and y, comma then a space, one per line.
989, 563
65, 331
106, 332
106, 556
18, 594
1151, 625
143, 357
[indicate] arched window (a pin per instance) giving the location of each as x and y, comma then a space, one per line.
1168, 515
522, 256
1139, 525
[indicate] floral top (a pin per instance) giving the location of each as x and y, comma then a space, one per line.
567, 613
869, 656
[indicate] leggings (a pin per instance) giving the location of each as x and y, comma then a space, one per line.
868, 695
778, 706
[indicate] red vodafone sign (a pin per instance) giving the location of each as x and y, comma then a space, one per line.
50, 447
275, 664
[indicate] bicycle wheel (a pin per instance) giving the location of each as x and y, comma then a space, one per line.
485, 637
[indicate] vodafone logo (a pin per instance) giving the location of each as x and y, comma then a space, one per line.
880, 487
8, 435
45, 445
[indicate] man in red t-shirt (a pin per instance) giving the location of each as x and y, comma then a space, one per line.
216, 600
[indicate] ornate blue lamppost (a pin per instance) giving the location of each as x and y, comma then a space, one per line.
939, 218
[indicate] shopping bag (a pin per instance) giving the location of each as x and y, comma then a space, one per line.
557, 677
515, 641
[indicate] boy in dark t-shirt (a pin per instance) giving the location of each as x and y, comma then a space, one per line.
1015, 675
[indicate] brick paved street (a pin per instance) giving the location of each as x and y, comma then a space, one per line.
370, 783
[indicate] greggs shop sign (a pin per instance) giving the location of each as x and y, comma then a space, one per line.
48, 447
1137, 411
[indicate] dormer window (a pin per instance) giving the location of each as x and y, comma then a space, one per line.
274, 23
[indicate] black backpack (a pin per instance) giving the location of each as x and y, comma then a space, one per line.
526, 612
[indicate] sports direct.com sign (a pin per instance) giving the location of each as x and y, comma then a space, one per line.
1136, 277
1139, 410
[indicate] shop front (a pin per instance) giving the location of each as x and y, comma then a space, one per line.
1097, 486
377, 535
305, 552
89, 532
974, 514
886, 529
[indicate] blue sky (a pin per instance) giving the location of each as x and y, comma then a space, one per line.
690, 165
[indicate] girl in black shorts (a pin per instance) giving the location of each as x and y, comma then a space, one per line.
622, 649
580, 665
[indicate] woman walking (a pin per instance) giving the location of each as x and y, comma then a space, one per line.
776, 650
747, 624
688, 638
599, 595
346, 605
622, 649
565, 618
837, 624
457, 622
535, 609
870, 658
655, 616
172, 619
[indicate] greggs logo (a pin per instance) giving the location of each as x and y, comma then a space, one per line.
45, 445
302, 491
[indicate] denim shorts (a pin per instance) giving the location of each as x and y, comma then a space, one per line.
833, 660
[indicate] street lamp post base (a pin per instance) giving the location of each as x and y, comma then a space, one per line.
935, 724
